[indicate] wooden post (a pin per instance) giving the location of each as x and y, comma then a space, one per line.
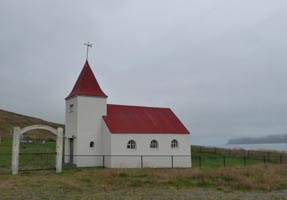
141, 161
171, 161
199, 160
224, 164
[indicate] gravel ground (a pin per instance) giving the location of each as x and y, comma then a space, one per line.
141, 193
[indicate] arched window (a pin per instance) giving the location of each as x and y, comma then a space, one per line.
174, 144
92, 144
154, 144
131, 145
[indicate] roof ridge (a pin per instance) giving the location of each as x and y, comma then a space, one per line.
139, 106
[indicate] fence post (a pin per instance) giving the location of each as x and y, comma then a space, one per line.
171, 161
103, 161
264, 159
280, 158
199, 160
224, 164
141, 161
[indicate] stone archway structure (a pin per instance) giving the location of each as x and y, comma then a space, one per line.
17, 132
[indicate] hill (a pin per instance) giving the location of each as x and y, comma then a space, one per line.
260, 140
8, 120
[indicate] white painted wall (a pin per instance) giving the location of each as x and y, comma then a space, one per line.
71, 117
161, 157
85, 122
70, 127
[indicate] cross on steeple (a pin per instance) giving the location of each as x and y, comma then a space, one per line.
88, 45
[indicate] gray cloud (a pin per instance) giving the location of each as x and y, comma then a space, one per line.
220, 65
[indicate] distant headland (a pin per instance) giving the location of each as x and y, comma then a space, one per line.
270, 139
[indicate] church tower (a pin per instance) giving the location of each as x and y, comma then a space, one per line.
85, 106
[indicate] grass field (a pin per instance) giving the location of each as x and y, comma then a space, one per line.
212, 181
202, 159
251, 182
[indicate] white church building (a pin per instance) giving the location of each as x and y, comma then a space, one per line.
120, 136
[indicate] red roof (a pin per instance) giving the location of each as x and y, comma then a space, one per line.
137, 119
87, 84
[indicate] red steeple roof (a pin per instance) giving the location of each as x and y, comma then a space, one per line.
139, 119
87, 84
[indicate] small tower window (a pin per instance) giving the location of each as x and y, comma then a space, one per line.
71, 107
154, 144
131, 145
174, 144
92, 144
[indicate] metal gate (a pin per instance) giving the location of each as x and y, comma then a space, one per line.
37, 155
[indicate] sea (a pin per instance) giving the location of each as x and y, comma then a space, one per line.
273, 146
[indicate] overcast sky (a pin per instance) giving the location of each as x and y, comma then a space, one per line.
220, 65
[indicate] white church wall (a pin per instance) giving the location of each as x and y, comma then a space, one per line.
90, 111
83, 123
71, 117
107, 144
70, 127
66, 150
160, 157
124, 161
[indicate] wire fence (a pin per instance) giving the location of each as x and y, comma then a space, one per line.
238, 155
200, 157
235, 152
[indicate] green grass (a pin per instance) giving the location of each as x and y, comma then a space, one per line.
211, 160
37, 146
200, 158
5, 155
219, 157
27, 161
6, 146
95, 183
100, 183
